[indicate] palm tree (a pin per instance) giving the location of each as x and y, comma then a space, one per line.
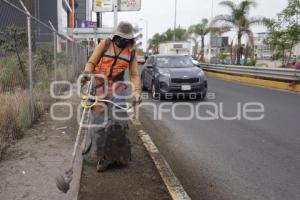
181, 34
155, 41
168, 35
194, 38
199, 30
239, 21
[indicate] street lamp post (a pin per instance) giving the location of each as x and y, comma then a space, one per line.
147, 26
210, 35
175, 21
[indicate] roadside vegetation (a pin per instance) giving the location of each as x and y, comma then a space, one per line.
15, 113
284, 32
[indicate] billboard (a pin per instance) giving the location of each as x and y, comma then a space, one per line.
123, 5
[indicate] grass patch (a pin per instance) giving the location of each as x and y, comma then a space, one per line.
15, 113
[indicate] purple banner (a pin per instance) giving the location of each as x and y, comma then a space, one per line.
85, 24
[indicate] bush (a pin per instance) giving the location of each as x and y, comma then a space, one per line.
252, 63
11, 78
10, 126
15, 116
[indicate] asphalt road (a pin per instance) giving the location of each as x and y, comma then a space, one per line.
236, 159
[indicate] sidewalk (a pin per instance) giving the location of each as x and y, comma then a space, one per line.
29, 168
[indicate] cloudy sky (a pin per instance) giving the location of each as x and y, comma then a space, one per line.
160, 13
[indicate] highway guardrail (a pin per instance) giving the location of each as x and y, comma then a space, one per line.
259, 72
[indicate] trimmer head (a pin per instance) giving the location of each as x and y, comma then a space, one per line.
63, 182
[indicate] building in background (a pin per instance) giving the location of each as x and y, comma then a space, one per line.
83, 12
10, 16
218, 45
262, 50
54, 11
296, 52
45, 11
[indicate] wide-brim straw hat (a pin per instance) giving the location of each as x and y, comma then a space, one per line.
125, 30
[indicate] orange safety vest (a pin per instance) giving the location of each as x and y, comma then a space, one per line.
112, 65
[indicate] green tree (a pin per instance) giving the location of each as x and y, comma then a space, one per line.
181, 34
154, 42
14, 39
168, 35
196, 31
139, 52
238, 20
284, 32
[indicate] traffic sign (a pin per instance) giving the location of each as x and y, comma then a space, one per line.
103, 5
129, 5
83, 33
123, 5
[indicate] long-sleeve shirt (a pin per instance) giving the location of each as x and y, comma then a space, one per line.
133, 66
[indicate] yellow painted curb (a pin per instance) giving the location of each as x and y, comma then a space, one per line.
255, 81
173, 185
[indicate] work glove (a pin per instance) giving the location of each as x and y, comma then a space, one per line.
136, 100
86, 76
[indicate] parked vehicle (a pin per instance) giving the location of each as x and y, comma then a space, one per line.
173, 76
141, 60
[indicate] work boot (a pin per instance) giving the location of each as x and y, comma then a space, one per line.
102, 165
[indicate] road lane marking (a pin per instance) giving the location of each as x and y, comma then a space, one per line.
173, 185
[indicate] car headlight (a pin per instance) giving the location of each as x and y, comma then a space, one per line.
201, 73
165, 74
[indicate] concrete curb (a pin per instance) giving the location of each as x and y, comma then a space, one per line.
80, 167
255, 81
78, 180
173, 185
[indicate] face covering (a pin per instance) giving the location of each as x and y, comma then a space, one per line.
121, 42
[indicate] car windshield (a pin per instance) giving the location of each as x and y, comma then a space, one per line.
174, 62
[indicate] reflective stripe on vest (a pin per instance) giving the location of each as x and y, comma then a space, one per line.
121, 56
105, 64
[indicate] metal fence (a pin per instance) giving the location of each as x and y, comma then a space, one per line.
259, 72
32, 55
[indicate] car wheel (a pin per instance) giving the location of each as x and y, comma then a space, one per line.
203, 94
155, 95
143, 86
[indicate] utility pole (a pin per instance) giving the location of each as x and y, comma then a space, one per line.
147, 31
99, 25
175, 21
99, 19
116, 7
71, 15
210, 35
30, 64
